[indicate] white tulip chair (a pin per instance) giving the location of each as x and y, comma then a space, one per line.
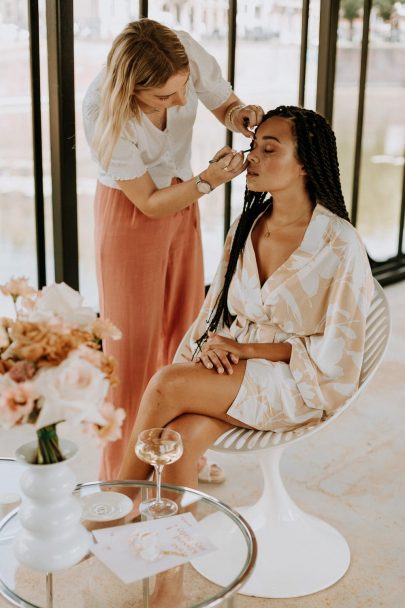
298, 554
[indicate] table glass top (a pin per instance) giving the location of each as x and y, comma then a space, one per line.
90, 583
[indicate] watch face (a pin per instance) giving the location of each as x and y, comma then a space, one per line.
203, 187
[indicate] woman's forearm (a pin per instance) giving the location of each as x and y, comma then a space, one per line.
172, 199
163, 202
271, 351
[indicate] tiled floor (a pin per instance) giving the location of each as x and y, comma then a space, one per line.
351, 474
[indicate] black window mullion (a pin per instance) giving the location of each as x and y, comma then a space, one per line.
328, 24
360, 109
232, 10
59, 18
33, 20
303, 52
143, 8
402, 216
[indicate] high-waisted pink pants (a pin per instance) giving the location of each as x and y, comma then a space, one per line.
151, 286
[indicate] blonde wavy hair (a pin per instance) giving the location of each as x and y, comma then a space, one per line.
145, 55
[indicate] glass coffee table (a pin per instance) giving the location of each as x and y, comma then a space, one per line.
90, 584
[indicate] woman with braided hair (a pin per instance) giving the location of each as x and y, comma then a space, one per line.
279, 341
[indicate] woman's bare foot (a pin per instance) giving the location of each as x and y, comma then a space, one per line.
209, 472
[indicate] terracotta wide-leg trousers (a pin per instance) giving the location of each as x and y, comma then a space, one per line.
151, 286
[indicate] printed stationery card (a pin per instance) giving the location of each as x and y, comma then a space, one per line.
139, 550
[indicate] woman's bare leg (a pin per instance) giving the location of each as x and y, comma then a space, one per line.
177, 390
198, 433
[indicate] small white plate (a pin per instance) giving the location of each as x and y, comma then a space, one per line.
105, 506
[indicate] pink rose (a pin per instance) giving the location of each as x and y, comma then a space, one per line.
73, 390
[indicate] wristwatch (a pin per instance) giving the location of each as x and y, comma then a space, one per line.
202, 186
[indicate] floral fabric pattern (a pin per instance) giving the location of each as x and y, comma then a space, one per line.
317, 301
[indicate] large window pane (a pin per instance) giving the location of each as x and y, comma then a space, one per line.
384, 123
347, 90
17, 206
383, 135
17, 221
96, 25
268, 62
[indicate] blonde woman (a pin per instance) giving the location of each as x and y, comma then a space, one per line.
138, 116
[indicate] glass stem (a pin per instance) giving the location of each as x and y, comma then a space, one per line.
158, 474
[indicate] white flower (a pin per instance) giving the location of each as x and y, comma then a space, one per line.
73, 390
111, 430
64, 302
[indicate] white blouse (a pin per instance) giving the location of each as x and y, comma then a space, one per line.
142, 146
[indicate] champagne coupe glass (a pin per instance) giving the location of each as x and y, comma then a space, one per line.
158, 447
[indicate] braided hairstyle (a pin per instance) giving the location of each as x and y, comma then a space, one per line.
316, 150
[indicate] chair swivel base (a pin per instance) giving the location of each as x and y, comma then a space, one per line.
297, 555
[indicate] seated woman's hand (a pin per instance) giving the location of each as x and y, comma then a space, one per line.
221, 353
218, 359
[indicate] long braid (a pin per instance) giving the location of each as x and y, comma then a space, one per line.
316, 149
252, 207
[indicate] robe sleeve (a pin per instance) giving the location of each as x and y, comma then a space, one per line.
189, 343
326, 366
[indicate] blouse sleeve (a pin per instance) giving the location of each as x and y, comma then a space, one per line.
126, 161
212, 89
326, 366
198, 328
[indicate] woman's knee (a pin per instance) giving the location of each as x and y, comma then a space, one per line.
168, 384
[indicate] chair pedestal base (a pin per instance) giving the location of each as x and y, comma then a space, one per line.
298, 554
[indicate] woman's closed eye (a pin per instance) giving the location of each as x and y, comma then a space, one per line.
164, 98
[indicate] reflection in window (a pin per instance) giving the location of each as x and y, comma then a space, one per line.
96, 25
17, 217
268, 63
384, 124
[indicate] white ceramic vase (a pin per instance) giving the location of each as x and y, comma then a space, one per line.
52, 537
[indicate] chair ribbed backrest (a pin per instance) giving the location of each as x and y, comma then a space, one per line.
377, 334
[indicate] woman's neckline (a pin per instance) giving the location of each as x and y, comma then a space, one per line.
153, 124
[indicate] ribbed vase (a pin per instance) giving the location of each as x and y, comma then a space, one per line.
52, 537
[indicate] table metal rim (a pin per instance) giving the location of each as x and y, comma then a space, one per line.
235, 516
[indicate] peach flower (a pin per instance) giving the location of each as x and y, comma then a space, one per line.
22, 371
17, 401
16, 287
103, 328
105, 363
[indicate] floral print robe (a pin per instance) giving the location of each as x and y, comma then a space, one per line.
318, 302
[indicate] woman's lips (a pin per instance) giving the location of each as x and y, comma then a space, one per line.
251, 173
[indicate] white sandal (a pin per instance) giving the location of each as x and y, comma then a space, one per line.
205, 475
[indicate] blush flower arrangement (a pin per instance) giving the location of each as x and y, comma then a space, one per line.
52, 367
